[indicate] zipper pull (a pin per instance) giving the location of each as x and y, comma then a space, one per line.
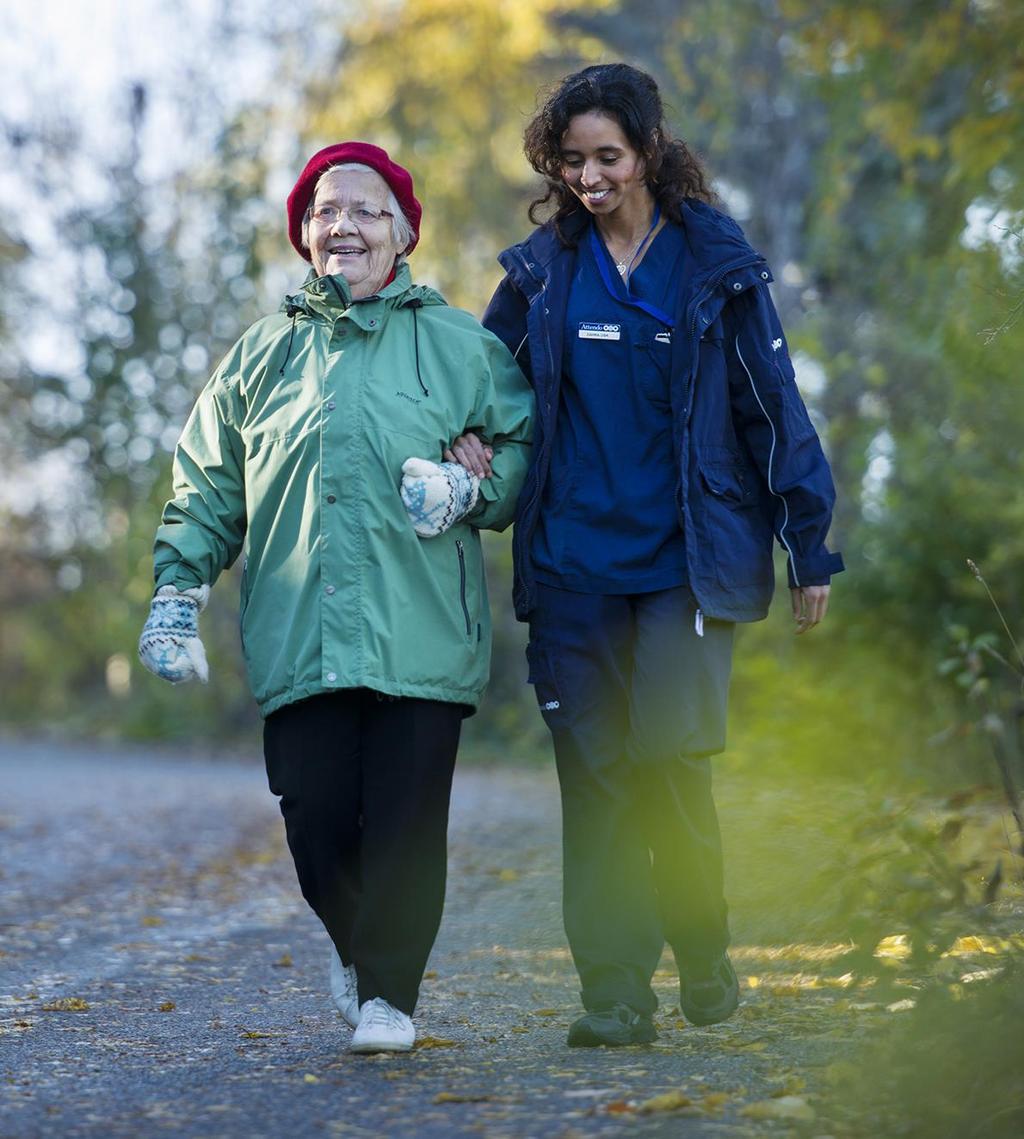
698, 623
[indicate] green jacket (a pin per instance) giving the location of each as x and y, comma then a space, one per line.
293, 456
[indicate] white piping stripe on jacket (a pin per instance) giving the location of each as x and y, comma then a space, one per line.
521, 343
771, 456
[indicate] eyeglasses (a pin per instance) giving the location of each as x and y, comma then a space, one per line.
357, 215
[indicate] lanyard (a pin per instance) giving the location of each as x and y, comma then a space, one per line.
603, 258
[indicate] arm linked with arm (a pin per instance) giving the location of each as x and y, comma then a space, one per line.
504, 416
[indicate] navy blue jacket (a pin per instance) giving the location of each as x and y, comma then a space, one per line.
749, 461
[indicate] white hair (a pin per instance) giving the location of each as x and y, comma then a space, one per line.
401, 230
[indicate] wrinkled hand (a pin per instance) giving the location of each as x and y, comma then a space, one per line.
810, 604
437, 495
475, 455
170, 646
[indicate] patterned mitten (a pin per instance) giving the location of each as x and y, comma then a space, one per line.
170, 646
437, 495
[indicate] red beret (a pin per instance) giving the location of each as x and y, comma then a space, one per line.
397, 177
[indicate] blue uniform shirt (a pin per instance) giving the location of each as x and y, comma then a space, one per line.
609, 521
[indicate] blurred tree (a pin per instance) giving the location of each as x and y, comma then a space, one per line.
447, 85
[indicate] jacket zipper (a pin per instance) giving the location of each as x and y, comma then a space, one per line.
462, 585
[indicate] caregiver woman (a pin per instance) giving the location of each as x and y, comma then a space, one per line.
671, 442
315, 452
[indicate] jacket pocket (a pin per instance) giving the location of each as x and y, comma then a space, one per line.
460, 550
738, 524
543, 677
726, 482
243, 601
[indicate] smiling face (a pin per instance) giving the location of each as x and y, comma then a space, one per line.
600, 166
363, 252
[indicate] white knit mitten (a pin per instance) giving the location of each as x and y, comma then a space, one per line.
170, 646
437, 495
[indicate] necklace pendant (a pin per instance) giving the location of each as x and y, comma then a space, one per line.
621, 266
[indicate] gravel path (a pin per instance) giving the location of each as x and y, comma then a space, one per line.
161, 975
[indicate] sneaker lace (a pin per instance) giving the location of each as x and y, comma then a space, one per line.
381, 1015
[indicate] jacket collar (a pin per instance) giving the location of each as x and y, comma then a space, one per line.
715, 240
330, 296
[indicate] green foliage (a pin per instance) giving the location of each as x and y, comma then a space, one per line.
951, 1068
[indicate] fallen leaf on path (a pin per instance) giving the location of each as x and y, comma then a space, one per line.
284, 961
619, 1107
166, 1006
786, 1107
253, 1035
436, 1042
668, 1101
309, 1078
714, 1100
546, 1012
152, 919
461, 1097
894, 947
67, 1004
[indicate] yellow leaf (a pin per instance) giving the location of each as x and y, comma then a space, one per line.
435, 1042
284, 961
508, 875
753, 982
152, 919
786, 1107
519, 1028
714, 1100
895, 947
166, 1006
253, 1035
545, 1012
67, 1004
460, 1097
309, 1078
669, 1101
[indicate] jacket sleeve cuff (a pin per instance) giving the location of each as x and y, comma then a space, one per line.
814, 571
180, 576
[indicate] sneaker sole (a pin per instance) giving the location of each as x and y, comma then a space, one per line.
365, 1049
587, 1038
712, 1016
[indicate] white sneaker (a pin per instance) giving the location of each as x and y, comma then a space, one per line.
344, 989
382, 1028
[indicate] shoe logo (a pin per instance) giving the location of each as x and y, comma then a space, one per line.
776, 344
550, 706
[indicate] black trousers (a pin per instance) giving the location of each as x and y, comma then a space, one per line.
636, 702
365, 782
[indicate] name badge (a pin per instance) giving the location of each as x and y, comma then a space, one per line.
590, 331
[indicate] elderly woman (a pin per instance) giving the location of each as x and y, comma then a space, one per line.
315, 452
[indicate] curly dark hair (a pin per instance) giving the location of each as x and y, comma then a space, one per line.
631, 98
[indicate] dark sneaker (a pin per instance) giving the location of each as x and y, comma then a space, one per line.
709, 995
613, 1027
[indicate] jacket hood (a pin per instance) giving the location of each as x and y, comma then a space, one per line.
714, 238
